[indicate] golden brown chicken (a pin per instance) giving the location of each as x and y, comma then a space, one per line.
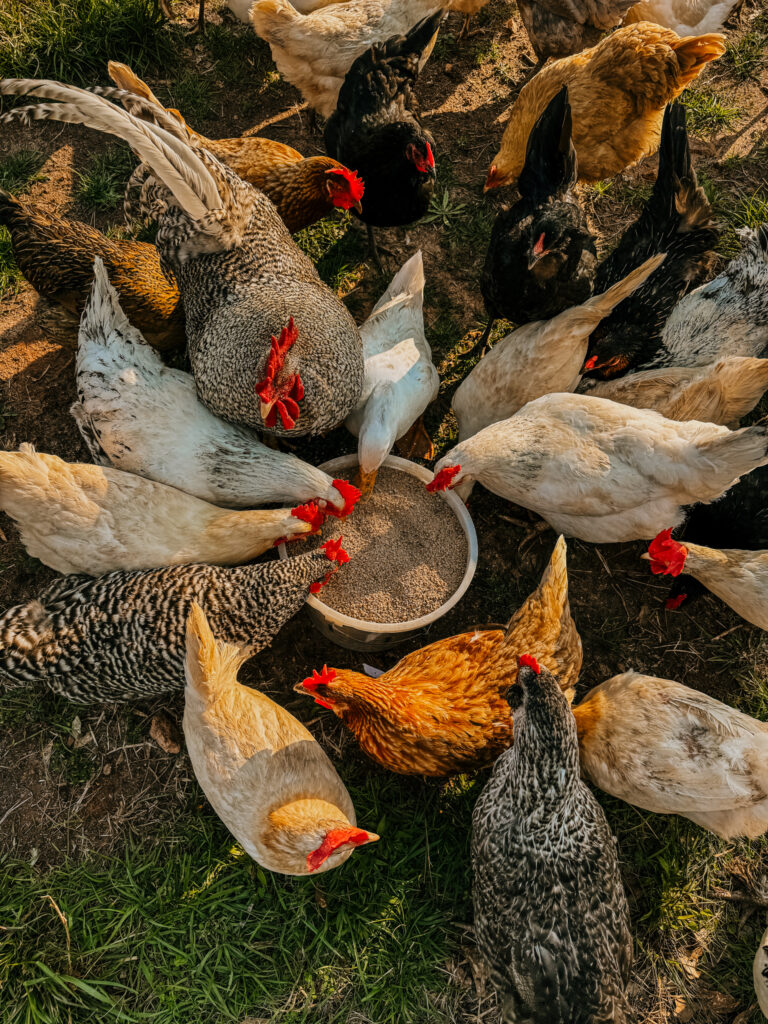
441, 709
304, 190
617, 91
56, 257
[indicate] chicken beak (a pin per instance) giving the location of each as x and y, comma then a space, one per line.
493, 180
365, 481
358, 206
265, 408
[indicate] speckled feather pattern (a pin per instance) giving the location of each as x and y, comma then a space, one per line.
558, 29
551, 917
121, 637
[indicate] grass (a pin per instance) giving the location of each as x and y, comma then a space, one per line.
102, 185
747, 56
706, 114
19, 170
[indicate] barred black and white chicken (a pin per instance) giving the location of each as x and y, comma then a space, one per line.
551, 916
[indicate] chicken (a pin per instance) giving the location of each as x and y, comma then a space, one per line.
536, 359
304, 190
242, 8
400, 377
727, 316
669, 749
721, 392
87, 519
468, 8
141, 416
268, 780
601, 471
737, 520
541, 256
683, 16
56, 257
441, 710
315, 51
677, 220
738, 577
551, 917
558, 30
617, 91
271, 346
760, 974
121, 637
376, 129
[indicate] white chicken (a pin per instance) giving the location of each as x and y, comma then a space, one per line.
141, 416
268, 780
601, 471
721, 392
400, 377
726, 317
537, 359
80, 518
686, 17
739, 578
242, 8
315, 51
666, 748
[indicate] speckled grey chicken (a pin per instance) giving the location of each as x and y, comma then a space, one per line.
121, 637
551, 916
725, 317
559, 29
271, 346
676, 220
541, 257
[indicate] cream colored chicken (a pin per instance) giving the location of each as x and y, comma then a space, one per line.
669, 749
537, 359
242, 8
686, 17
268, 780
721, 392
601, 471
739, 578
400, 377
80, 518
315, 51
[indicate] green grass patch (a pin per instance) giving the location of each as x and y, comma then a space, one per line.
10, 275
19, 170
239, 56
337, 251
747, 56
102, 184
192, 94
706, 114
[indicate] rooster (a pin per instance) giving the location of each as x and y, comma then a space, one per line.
129, 407
551, 916
270, 345
376, 130
303, 189
541, 256
80, 518
315, 51
617, 91
601, 471
441, 710
269, 781
676, 220
121, 637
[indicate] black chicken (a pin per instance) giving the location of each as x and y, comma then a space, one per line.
677, 220
737, 520
550, 912
541, 256
377, 128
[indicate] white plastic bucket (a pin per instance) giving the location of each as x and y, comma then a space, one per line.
359, 635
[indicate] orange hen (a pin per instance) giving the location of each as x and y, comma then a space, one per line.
441, 709
303, 189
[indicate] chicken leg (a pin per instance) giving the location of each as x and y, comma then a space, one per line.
199, 29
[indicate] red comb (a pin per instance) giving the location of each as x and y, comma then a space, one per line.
310, 513
319, 678
355, 188
529, 661
538, 249
335, 552
351, 496
667, 555
673, 603
443, 479
591, 363
287, 396
430, 157
335, 838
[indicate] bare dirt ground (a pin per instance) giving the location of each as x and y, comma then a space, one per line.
75, 780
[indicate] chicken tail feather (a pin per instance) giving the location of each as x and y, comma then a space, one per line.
550, 158
693, 52
210, 664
